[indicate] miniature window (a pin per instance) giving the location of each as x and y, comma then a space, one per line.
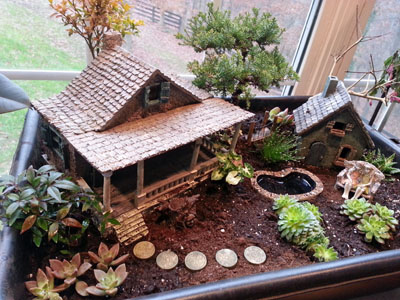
346, 152
156, 93
55, 142
337, 128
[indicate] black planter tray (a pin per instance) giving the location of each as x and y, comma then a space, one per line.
371, 276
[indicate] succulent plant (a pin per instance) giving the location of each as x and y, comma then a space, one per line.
386, 215
107, 285
374, 228
106, 257
283, 202
69, 271
383, 163
295, 221
43, 288
323, 253
356, 208
313, 209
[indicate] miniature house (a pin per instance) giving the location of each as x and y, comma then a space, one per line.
132, 132
331, 131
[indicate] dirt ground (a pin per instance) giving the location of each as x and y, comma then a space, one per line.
236, 217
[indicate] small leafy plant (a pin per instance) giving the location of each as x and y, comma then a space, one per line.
69, 271
280, 118
323, 253
282, 203
107, 285
383, 163
43, 288
232, 168
386, 215
299, 223
280, 146
45, 202
374, 228
107, 257
356, 208
375, 221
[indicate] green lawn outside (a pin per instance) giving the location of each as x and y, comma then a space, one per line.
29, 39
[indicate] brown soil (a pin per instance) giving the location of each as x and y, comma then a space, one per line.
236, 217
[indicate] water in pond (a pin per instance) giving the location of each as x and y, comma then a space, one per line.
292, 184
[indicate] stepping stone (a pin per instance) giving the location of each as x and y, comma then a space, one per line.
144, 250
255, 255
226, 258
167, 260
195, 261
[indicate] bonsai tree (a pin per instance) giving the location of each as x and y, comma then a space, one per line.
91, 19
240, 53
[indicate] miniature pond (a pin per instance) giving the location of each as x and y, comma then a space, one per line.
292, 184
233, 217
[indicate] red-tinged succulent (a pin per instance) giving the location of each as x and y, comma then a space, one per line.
106, 257
69, 271
107, 285
43, 288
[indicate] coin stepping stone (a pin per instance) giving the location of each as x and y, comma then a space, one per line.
226, 258
195, 261
144, 250
255, 255
167, 260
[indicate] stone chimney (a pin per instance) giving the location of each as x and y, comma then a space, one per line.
330, 86
111, 40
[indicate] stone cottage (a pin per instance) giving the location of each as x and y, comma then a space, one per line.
331, 131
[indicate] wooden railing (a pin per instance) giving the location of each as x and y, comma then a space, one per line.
186, 177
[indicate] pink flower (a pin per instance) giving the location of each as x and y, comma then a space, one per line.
394, 98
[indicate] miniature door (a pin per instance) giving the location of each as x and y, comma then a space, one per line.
316, 154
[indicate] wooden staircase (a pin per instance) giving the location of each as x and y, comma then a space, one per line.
132, 226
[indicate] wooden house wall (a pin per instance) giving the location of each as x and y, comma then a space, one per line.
134, 109
320, 133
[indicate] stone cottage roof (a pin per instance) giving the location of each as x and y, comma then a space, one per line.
82, 110
319, 109
102, 89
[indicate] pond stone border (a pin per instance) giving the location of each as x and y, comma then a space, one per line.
319, 187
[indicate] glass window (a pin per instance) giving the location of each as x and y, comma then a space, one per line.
384, 23
163, 19
31, 39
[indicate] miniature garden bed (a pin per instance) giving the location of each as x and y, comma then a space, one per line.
231, 217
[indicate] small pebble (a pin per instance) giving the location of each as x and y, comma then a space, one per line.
222, 230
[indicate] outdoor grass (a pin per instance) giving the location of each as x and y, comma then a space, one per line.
31, 40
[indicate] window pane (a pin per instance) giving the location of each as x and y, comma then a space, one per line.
30, 39
384, 22
163, 19
11, 123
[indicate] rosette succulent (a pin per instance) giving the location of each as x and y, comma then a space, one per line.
107, 257
295, 221
386, 215
323, 253
374, 228
313, 209
69, 271
107, 285
283, 202
356, 208
43, 288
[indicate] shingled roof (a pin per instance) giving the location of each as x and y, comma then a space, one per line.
82, 110
102, 89
128, 143
318, 109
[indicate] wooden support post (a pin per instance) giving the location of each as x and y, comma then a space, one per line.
107, 191
251, 131
195, 155
139, 182
265, 120
235, 136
